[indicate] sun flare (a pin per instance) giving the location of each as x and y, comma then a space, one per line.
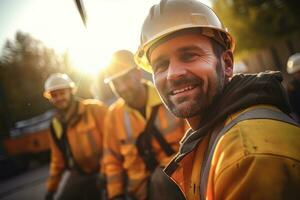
88, 56
111, 26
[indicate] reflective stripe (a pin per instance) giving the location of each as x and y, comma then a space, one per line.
129, 141
171, 128
114, 178
172, 124
128, 128
170, 117
157, 123
107, 152
171, 121
58, 130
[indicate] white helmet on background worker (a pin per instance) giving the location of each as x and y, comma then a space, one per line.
58, 81
293, 64
170, 16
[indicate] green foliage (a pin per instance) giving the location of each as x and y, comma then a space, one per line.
258, 23
24, 65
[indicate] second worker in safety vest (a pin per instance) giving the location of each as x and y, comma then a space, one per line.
76, 142
141, 135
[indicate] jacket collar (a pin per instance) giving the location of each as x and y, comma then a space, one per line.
74, 113
242, 92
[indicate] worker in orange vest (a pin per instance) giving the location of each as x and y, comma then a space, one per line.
76, 141
141, 135
242, 143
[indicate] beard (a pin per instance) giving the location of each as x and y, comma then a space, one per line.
65, 104
187, 107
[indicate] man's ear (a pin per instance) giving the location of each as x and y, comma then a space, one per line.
227, 57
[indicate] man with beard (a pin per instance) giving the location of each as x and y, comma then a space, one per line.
141, 136
242, 144
76, 141
293, 68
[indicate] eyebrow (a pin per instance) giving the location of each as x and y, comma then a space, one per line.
161, 57
181, 49
190, 47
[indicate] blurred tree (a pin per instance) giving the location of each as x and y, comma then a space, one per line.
25, 63
257, 23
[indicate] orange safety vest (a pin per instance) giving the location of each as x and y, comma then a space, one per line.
84, 137
254, 159
124, 167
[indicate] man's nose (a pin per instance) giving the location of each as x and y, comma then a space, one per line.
175, 70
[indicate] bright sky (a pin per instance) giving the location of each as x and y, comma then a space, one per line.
112, 25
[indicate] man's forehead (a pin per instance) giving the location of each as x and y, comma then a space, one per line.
128, 74
191, 31
184, 42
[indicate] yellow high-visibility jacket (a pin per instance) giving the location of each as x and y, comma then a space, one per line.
122, 164
255, 159
85, 138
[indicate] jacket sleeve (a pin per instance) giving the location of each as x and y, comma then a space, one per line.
257, 159
259, 177
113, 159
57, 165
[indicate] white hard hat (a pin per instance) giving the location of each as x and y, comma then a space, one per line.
170, 16
293, 64
57, 81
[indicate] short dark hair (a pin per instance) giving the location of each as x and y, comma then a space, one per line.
218, 49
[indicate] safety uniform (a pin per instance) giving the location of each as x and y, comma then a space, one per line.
124, 167
77, 145
252, 151
257, 158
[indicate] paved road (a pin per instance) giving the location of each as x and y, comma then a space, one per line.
27, 186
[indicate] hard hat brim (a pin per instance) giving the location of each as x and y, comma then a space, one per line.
47, 95
141, 58
117, 75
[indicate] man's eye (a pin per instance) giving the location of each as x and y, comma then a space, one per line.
160, 66
186, 57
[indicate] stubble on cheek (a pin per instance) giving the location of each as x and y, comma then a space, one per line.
187, 106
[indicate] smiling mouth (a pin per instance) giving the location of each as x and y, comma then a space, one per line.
188, 88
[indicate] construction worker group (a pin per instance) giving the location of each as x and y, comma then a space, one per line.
198, 132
